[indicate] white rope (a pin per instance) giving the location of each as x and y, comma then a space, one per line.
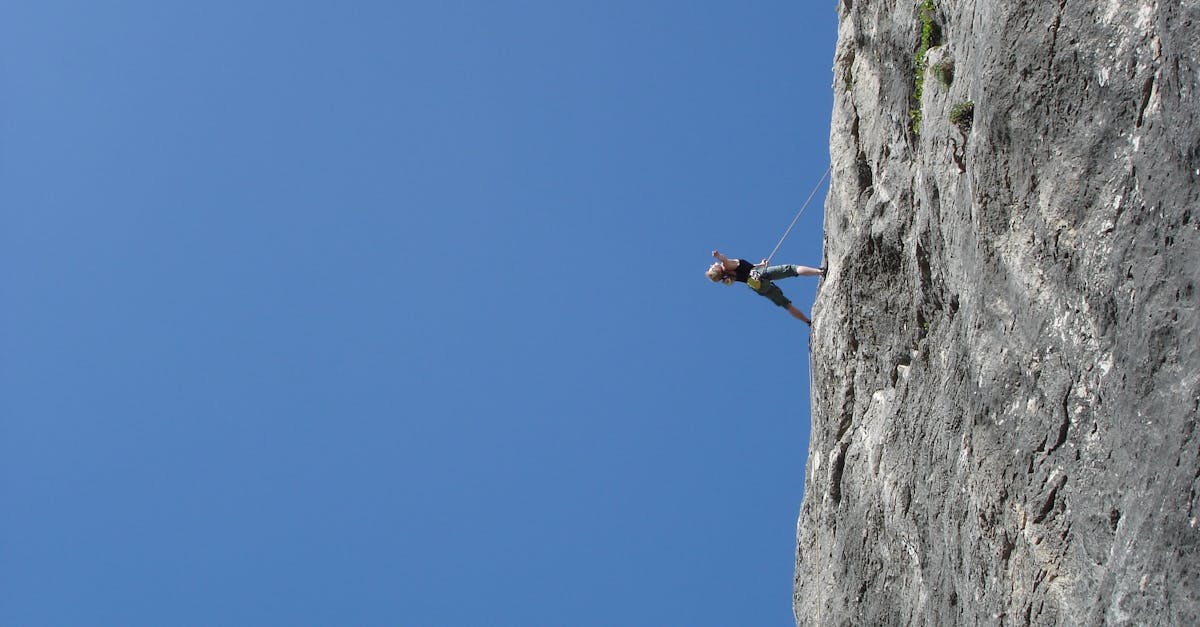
798, 213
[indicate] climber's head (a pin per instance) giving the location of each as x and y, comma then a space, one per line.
717, 274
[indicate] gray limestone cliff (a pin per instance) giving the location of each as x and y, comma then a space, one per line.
1006, 358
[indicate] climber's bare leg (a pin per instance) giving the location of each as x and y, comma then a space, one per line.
799, 315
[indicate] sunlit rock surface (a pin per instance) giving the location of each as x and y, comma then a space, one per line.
1006, 353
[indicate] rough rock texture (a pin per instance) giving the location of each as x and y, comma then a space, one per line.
1006, 354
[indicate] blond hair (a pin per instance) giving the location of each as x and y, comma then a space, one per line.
716, 273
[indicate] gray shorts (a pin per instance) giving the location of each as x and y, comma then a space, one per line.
761, 282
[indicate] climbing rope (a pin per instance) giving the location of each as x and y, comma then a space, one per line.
798, 213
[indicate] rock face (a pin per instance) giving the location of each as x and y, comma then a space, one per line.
1006, 353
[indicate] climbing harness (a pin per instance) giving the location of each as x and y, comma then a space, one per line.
798, 213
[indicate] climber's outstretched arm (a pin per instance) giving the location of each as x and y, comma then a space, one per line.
726, 262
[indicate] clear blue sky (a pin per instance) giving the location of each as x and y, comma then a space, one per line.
392, 313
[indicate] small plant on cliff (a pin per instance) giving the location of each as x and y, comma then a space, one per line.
931, 35
962, 115
944, 72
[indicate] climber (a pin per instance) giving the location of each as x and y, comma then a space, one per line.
760, 278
